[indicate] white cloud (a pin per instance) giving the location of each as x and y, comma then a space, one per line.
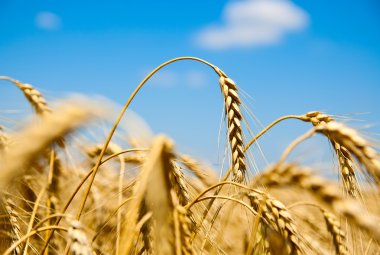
48, 21
251, 23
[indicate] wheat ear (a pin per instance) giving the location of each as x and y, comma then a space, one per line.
152, 193
78, 241
34, 97
278, 219
182, 225
338, 234
346, 165
38, 135
205, 175
3, 139
355, 144
158, 195
291, 174
13, 220
232, 109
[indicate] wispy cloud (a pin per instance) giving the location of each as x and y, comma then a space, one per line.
167, 78
195, 79
252, 23
48, 21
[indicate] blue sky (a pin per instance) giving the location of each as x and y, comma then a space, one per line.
290, 57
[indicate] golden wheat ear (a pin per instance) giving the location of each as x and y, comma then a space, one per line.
10, 224
328, 193
3, 139
152, 193
206, 175
235, 134
38, 135
35, 99
337, 233
349, 140
78, 240
345, 161
276, 217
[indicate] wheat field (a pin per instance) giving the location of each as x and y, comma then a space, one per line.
64, 194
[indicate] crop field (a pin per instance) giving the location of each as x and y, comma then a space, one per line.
65, 193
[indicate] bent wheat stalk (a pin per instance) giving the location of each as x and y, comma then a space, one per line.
233, 114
